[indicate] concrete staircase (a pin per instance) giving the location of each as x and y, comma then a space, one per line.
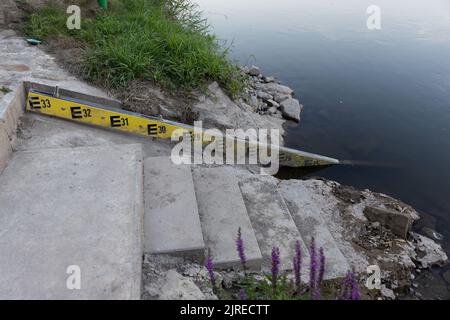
83, 196
74, 196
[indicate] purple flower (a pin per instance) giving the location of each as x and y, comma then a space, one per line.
275, 261
297, 265
210, 267
318, 282
313, 267
356, 295
240, 249
242, 295
350, 287
344, 287
275, 266
322, 265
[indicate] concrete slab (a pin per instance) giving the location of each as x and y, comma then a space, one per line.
307, 217
271, 221
66, 207
171, 222
222, 212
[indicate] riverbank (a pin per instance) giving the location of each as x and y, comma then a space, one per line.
399, 258
173, 82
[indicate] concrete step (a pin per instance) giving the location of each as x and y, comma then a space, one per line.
310, 223
67, 207
222, 212
271, 221
171, 223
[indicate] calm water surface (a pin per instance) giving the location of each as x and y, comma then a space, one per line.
380, 98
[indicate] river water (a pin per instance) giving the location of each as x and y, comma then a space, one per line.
377, 98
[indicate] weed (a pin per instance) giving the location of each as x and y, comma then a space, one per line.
5, 90
166, 41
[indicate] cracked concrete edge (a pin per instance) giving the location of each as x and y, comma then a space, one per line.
12, 107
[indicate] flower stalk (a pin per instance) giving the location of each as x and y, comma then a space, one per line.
209, 264
275, 268
241, 250
297, 266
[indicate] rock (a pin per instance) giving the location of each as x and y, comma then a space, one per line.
253, 101
268, 79
263, 106
375, 225
227, 281
217, 110
169, 112
279, 97
272, 110
177, 287
399, 223
217, 275
254, 71
446, 276
387, 293
291, 109
264, 95
246, 107
432, 234
273, 103
428, 252
244, 69
277, 115
257, 85
275, 88
229, 277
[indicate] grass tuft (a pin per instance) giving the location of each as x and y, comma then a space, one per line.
5, 90
48, 21
166, 41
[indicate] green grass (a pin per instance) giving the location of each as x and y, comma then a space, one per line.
5, 90
166, 41
49, 21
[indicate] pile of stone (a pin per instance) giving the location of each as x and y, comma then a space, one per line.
267, 96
